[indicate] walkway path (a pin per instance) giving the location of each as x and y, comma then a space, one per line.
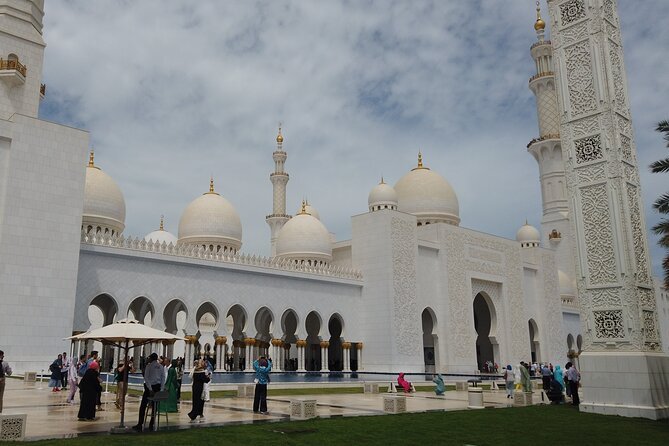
49, 416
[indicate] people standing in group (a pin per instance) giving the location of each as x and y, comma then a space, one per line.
5, 371
559, 377
525, 377
198, 379
574, 379
153, 382
509, 380
262, 367
171, 386
73, 377
89, 388
55, 379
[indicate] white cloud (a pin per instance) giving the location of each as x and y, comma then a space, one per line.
175, 91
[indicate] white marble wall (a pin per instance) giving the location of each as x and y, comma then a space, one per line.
43, 167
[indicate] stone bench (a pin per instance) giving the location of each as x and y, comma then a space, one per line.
30, 377
394, 403
246, 390
371, 388
522, 399
302, 409
13, 427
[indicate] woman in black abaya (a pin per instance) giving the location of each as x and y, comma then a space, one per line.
89, 388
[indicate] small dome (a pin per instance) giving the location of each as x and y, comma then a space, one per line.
382, 196
567, 285
279, 137
211, 221
539, 24
427, 195
104, 205
161, 235
304, 239
528, 236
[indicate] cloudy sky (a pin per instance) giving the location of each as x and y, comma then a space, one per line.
173, 92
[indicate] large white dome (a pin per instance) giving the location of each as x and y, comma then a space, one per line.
304, 239
104, 205
212, 222
161, 235
427, 195
382, 196
528, 236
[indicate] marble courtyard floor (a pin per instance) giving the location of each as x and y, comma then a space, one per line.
49, 416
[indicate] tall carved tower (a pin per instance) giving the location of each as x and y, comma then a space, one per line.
618, 309
547, 151
279, 179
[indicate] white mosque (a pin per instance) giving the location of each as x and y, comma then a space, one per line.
410, 291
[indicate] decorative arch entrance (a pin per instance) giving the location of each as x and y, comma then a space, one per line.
487, 351
429, 321
534, 341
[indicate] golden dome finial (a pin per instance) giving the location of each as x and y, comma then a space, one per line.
420, 160
91, 158
382, 182
539, 25
304, 207
211, 185
279, 137
162, 227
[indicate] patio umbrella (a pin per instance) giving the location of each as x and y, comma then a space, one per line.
121, 334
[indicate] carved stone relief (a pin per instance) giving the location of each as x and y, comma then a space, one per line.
580, 78
404, 287
609, 324
585, 126
638, 236
605, 298
588, 149
617, 77
571, 11
598, 235
592, 173
626, 149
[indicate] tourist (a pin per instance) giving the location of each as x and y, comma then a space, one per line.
121, 378
518, 377
64, 370
73, 378
89, 388
208, 370
574, 380
153, 382
198, 378
403, 383
171, 386
546, 377
5, 371
54, 368
439, 381
559, 377
565, 377
509, 381
262, 367
525, 380
554, 391
180, 377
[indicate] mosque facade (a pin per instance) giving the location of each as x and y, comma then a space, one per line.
410, 291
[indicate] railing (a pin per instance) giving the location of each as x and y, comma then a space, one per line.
541, 42
569, 301
13, 64
543, 138
543, 74
198, 252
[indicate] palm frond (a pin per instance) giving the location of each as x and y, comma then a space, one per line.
664, 241
662, 227
659, 166
663, 127
662, 204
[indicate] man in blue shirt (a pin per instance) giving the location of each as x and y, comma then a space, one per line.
154, 381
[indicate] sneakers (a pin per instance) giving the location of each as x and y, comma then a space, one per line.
193, 420
201, 419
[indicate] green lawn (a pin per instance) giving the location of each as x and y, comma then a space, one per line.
544, 425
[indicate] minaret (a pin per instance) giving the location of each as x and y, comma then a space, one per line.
547, 151
618, 309
21, 58
279, 179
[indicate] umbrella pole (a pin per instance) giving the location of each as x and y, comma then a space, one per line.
125, 387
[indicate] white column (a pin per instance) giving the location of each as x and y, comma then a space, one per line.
346, 347
324, 356
359, 346
300, 355
249, 353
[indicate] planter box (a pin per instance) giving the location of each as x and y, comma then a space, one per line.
302, 409
394, 403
